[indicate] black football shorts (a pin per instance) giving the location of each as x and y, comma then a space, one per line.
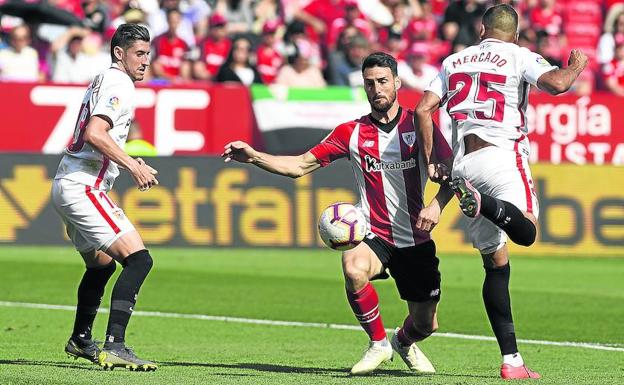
414, 269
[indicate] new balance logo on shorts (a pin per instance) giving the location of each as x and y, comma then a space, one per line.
434, 293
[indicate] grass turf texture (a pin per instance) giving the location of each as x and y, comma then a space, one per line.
555, 299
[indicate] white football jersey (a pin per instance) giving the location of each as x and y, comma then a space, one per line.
486, 88
111, 95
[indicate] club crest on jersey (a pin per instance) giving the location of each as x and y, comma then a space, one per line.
409, 138
118, 213
113, 103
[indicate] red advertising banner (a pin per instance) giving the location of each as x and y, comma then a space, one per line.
200, 119
181, 120
580, 130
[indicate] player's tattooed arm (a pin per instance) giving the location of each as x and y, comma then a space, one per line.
425, 109
560, 80
291, 166
96, 134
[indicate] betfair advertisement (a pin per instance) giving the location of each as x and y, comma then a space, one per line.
204, 202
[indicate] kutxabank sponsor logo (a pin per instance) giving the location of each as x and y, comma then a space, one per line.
374, 165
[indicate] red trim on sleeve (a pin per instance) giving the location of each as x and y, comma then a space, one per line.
335, 145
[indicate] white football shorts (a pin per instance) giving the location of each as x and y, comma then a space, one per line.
93, 221
502, 174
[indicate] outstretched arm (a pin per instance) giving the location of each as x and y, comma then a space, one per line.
560, 80
291, 166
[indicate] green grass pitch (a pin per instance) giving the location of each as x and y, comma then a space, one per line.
554, 299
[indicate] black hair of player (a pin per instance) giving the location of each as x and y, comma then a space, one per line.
126, 35
380, 59
502, 17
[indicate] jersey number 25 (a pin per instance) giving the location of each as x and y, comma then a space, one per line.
462, 83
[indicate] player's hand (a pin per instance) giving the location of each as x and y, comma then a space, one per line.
438, 172
239, 151
144, 175
577, 60
428, 217
152, 170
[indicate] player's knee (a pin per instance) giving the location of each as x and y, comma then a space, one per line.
355, 275
141, 260
109, 269
526, 241
527, 235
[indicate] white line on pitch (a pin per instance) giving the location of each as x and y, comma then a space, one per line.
586, 345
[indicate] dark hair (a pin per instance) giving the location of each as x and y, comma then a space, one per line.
380, 59
173, 10
502, 17
230, 57
126, 35
294, 28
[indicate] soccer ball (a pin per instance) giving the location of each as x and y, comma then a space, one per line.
342, 226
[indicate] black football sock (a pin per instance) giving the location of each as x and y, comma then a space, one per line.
509, 218
498, 307
90, 292
125, 292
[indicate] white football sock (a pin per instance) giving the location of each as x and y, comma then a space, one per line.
513, 359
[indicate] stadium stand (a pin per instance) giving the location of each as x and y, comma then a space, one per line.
332, 34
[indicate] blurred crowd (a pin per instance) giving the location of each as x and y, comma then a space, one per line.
300, 43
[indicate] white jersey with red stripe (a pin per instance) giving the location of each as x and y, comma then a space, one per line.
111, 96
389, 173
485, 88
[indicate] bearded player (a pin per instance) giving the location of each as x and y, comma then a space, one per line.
386, 159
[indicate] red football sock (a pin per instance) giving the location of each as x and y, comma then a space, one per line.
365, 305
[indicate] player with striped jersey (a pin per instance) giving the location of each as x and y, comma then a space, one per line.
385, 155
99, 230
485, 88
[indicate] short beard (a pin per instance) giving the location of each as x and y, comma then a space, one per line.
384, 109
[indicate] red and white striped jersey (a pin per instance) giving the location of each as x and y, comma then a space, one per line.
486, 89
111, 95
389, 173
